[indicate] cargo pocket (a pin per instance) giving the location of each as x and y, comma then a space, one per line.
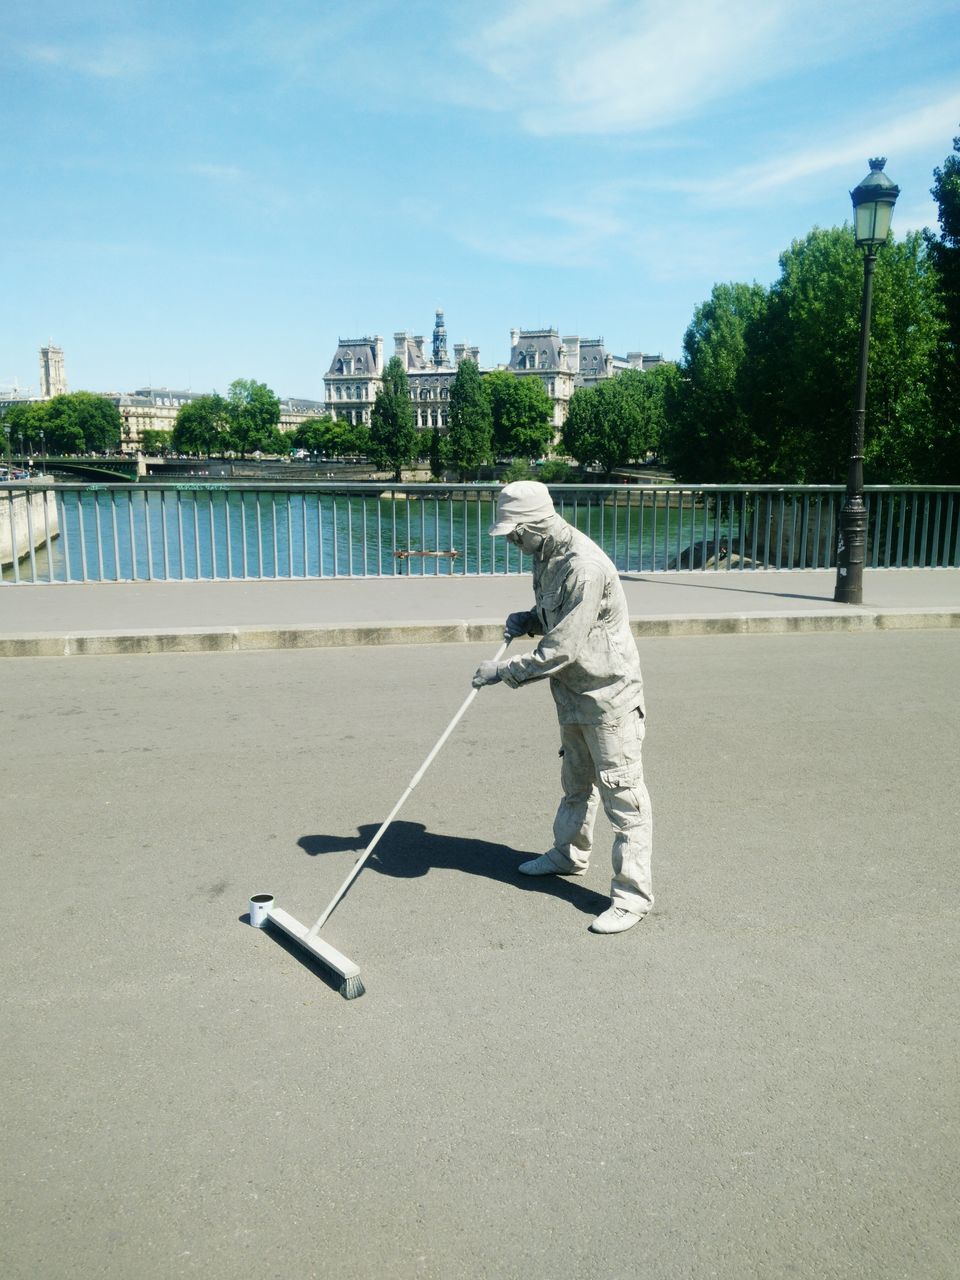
623, 776
624, 801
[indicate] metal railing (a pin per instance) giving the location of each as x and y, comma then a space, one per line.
66, 532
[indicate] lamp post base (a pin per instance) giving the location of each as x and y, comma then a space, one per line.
851, 545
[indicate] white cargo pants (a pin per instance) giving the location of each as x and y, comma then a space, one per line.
602, 762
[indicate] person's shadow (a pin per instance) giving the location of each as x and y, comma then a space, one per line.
407, 849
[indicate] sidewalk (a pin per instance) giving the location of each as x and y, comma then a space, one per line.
164, 617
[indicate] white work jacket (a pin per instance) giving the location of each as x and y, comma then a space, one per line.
588, 650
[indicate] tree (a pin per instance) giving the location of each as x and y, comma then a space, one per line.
470, 438
589, 434
521, 413
798, 387
945, 254
661, 391
615, 421
710, 435
253, 412
155, 440
438, 453
945, 249
312, 434
768, 378
582, 431
81, 422
346, 439
25, 419
906, 442
202, 426
555, 471
393, 436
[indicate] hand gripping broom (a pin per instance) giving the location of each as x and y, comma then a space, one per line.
264, 909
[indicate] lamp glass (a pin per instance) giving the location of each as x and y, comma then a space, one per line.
884, 217
872, 221
864, 218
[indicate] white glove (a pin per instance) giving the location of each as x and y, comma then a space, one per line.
487, 673
517, 624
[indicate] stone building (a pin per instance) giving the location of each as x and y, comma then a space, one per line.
564, 364
541, 353
431, 377
353, 379
146, 409
156, 409
356, 375
53, 379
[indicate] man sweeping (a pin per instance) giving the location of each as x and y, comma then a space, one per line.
588, 652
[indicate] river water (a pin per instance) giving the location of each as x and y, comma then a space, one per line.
207, 533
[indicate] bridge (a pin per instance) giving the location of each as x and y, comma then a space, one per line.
755, 1081
117, 468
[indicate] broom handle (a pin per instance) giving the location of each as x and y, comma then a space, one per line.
358, 865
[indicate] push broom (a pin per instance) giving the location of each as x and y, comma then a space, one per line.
263, 908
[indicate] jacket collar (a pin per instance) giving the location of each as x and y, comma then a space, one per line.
557, 536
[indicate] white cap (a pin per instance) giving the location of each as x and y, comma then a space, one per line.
523, 502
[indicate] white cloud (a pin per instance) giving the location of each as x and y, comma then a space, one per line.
217, 172
900, 134
628, 66
590, 225
116, 58
614, 67
554, 233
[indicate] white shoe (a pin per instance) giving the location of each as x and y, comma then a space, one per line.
615, 920
545, 866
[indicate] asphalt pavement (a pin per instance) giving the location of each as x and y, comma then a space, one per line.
759, 1081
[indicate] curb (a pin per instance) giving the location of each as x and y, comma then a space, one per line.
252, 639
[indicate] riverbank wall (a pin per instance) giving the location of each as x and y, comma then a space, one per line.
28, 517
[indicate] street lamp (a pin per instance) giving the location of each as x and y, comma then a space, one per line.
43, 450
873, 202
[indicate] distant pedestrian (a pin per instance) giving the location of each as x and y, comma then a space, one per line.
589, 654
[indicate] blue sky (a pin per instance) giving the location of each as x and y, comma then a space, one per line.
202, 191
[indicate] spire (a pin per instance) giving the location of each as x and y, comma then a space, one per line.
439, 342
